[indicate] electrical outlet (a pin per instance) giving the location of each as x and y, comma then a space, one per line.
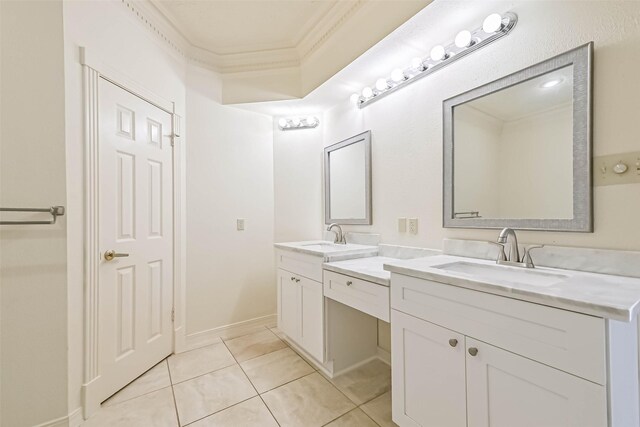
240, 224
413, 225
402, 225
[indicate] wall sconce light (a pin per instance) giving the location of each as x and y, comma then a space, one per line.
298, 123
493, 27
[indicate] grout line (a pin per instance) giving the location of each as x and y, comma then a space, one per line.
220, 410
139, 395
254, 387
173, 393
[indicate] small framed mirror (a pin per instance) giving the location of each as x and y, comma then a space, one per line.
517, 151
347, 181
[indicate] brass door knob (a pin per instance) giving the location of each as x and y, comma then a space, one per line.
110, 255
473, 351
453, 342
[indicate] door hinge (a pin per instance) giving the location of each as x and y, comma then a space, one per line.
173, 314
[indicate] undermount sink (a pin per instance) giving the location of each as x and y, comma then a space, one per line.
503, 273
325, 246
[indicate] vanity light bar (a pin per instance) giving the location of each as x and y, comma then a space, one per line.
298, 123
494, 27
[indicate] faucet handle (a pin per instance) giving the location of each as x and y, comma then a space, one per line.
526, 259
501, 255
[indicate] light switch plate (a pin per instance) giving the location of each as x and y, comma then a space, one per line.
240, 224
413, 225
402, 225
604, 169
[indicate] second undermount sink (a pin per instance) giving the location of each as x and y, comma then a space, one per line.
503, 273
325, 246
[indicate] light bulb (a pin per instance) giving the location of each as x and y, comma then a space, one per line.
438, 53
367, 92
295, 121
354, 98
381, 84
417, 64
492, 23
551, 83
282, 123
463, 39
397, 75
311, 120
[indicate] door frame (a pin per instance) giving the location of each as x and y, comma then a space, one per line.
94, 69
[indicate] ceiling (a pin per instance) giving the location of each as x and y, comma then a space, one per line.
234, 26
270, 50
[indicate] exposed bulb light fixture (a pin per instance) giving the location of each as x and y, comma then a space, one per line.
463, 39
417, 64
492, 23
438, 53
494, 27
397, 75
298, 123
382, 84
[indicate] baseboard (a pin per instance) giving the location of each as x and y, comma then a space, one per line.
384, 355
212, 336
74, 419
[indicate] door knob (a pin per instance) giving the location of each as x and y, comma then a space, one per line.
110, 255
453, 342
473, 351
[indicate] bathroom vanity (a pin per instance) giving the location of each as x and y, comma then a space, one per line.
477, 344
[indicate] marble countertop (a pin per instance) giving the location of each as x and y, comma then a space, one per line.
329, 250
370, 268
602, 295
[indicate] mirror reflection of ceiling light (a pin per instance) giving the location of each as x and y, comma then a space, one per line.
493, 27
293, 123
551, 83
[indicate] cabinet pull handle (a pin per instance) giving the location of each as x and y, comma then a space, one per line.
473, 351
349, 283
293, 278
297, 280
453, 342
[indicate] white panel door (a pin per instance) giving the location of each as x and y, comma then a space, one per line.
135, 218
312, 309
507, 390
288, 305
428, 378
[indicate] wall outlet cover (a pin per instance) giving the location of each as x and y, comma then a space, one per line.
413, 225
240, 224
402, 225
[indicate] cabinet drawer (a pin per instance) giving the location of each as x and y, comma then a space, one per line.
305, 265
367, 297
569, 341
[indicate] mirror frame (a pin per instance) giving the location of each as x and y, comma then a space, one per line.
362, 137
582, 60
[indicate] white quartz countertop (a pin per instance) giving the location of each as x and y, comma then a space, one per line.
328, 250
370, 268
602, 295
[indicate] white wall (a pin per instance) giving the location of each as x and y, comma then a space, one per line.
230, 273
33, 270
407, 125
298, 164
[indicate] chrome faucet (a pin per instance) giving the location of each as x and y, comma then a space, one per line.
513, 258
514, 254
340, 238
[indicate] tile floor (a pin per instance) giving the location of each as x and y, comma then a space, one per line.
246, 381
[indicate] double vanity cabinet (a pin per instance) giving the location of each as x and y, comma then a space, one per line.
474, 344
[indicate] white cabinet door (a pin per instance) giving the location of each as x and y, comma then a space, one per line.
428, 373
507, 390
288, 304
312, 309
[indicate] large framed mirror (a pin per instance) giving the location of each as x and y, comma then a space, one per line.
347, 181
517, 151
